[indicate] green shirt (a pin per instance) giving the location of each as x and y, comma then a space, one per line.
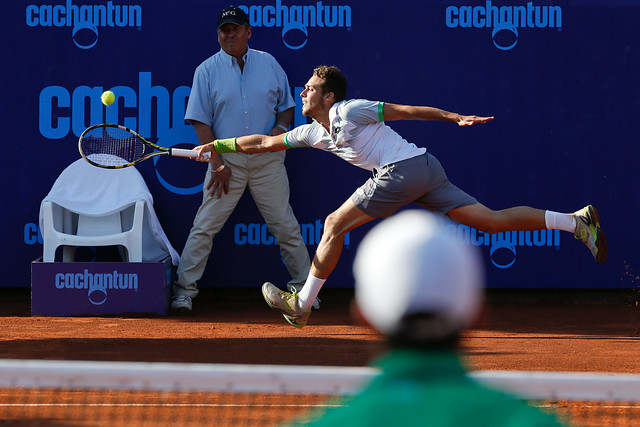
430, 388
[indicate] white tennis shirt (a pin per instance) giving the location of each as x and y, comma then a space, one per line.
358, 135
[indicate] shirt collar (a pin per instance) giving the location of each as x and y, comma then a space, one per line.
231, 60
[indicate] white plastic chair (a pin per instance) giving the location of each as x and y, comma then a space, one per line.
90, 206
63, 227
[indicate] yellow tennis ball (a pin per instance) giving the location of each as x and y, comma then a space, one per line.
108, 97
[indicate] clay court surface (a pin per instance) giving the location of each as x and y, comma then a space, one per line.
519, 331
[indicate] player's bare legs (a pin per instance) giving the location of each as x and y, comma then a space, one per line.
482, 218
584, 224
296, 307
336, 225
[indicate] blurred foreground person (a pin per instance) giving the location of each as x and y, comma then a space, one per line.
420, 287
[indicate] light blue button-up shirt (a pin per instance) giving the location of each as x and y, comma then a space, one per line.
236, 103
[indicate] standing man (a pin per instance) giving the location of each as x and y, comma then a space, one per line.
355, 131
421, 292
239, 91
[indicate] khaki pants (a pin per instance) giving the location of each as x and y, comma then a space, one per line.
266, 178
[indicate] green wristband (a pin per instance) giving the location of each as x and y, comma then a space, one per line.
225, 145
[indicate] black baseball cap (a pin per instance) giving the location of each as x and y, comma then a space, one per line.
234, 15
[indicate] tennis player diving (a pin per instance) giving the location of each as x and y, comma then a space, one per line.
355, 131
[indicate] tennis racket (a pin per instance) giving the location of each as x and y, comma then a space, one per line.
114, 147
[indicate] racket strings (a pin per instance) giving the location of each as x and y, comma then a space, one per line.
110, 146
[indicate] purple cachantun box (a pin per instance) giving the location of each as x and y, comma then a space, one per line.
100, 288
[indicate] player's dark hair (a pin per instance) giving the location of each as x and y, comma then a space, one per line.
334, 81
423, 331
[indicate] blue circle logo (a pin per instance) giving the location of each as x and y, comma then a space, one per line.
175, 136
289, 26
85, 35
498, 257
505, 36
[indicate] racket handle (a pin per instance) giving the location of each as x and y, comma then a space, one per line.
188, 153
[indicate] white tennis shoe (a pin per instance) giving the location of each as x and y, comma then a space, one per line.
286, 303
589, 232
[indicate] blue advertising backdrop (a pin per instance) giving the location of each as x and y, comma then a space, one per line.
562, 79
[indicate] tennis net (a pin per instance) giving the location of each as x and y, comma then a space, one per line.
35, 392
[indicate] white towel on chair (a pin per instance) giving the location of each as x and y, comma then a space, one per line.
89, 190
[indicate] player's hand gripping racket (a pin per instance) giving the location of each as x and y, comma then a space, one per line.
114, 147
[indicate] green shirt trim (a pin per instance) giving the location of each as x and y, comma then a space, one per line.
284, 140
380, 107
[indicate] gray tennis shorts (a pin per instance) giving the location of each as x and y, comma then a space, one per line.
421, 180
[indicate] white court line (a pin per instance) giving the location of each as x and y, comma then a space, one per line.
552, 406
169, 405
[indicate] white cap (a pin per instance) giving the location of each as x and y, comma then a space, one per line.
413, 263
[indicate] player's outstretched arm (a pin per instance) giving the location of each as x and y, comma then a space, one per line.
252, 144
244, 144
410, 112
472, 120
